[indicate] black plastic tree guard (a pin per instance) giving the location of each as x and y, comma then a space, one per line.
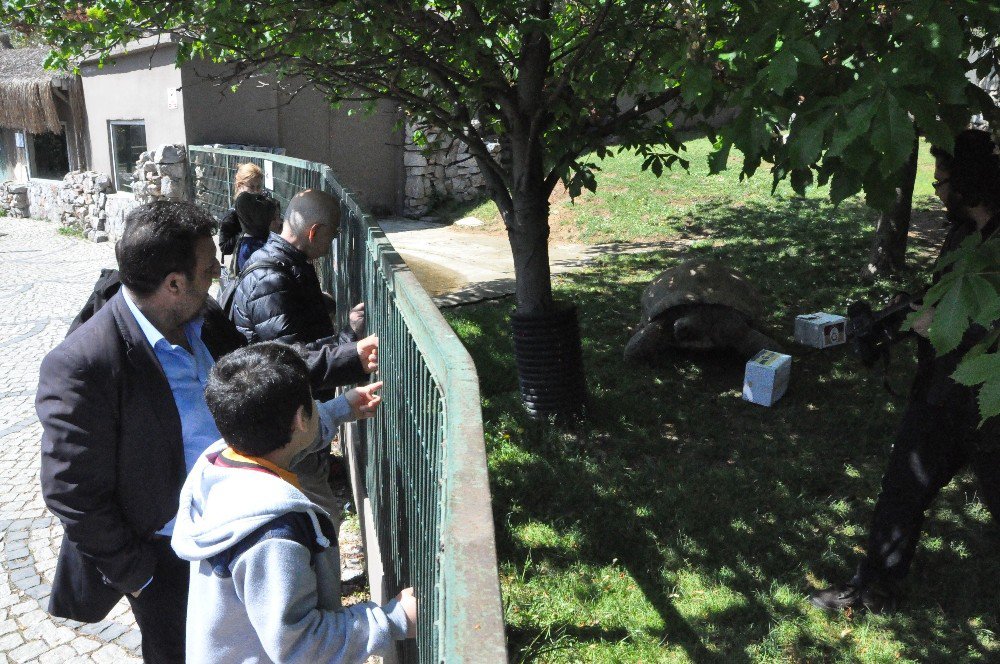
550, 362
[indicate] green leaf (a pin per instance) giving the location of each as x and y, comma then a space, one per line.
951, 318
697, 85
719, 157
989, 400
940, 289
856, 124
892, 136
987, 309
925, 113
979, 369
845, 184
801, 178
805, 143
962, 253
806, 53
945, 29
782, 71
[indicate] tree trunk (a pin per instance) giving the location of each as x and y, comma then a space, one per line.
529, 244
528, 225
525, 212
546, 335
888, 255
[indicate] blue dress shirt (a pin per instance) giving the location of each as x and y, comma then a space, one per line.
187, 373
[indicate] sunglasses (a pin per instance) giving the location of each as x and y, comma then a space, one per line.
941, 182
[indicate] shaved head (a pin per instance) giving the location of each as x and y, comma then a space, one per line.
312, 221
311, 207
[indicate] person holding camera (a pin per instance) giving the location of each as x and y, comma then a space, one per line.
939, 433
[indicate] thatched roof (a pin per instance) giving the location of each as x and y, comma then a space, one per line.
28, 91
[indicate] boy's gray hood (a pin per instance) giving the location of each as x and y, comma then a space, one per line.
242, 501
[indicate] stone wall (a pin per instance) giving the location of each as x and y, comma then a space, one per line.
14, 199
161, 174
44, 201
440, 172
75, 201
116, 208
86, 200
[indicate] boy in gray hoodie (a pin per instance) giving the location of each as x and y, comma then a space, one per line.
265, 572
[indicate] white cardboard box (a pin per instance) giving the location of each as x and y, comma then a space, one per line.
820, 330
766, 377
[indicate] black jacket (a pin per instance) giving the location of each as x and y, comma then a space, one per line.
251, 214
287, 304
229, 231
112, 455
282, 304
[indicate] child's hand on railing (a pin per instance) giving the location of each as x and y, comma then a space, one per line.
407, 600
364, 402
368, 352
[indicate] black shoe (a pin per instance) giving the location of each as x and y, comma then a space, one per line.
874, 598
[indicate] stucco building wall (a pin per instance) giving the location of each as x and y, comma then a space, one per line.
364, 150
137, 86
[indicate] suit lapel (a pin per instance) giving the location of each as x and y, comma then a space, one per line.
145, 367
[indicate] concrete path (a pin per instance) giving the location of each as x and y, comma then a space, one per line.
460, 267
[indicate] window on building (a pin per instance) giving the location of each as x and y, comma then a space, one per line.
50, 155
128, 141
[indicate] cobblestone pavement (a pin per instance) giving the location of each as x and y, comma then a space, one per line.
44, 280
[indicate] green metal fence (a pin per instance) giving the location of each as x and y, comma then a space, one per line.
423, 456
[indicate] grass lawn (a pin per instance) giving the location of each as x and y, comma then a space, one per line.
631, 204
679, 523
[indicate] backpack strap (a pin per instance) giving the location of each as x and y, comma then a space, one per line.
227, 292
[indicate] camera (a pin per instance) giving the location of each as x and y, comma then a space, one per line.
872, 332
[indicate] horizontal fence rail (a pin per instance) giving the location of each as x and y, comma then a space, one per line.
424, 456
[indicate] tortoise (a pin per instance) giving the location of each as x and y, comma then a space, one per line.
700, 304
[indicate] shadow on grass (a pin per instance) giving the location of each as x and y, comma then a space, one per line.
722, 513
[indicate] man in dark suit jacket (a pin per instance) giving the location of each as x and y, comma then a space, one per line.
117, 429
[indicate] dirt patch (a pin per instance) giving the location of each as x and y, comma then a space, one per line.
561, 213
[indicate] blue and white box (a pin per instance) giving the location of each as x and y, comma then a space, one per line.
766, 377
820, 330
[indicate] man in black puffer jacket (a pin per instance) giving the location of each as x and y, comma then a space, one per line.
286, 303
283, 301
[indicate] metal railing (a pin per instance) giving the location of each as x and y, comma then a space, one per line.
423, 456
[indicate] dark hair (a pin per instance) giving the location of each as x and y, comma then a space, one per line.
160, 238
255, 213
973, 168
253, 394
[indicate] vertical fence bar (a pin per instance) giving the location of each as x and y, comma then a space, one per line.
423, 457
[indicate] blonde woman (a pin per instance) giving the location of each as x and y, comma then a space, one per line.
249, 178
